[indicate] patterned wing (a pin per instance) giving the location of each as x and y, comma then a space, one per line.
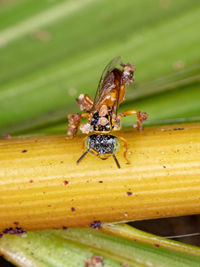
106, 82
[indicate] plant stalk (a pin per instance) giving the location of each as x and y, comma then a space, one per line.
41, 186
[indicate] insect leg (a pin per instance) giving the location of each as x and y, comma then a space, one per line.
84, 154
126, 148
141, 116
83, 143
74, 121
85, 102
116, 161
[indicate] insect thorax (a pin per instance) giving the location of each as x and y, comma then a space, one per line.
100, 123
102, 143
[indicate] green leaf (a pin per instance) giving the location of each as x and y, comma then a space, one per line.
40, 79
73, 246
132, 233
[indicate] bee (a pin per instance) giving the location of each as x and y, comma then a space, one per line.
102, 112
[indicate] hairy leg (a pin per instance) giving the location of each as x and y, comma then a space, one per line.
74, 121
141, 116
73, 124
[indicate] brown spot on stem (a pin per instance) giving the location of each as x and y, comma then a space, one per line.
96, 224
14, 231
178, 129
24, 151
129, 193
73, 209
66, 182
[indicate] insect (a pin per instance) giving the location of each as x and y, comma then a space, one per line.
102, 113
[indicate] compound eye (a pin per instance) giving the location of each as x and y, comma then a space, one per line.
116, 145
87, 142
131, 74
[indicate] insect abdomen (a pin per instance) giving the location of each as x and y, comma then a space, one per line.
103, 144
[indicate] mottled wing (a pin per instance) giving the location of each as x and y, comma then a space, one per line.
105, 82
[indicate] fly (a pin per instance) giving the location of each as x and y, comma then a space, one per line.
102, 112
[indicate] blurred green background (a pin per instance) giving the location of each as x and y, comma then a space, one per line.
53, 50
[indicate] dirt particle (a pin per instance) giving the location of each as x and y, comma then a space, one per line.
73, 209
178, 129
100, 182
179, 64
129, 193
64, 228
41, 35
66, 182
6, 136
156, 245
24, 151
72, 91
164, 166
96, 224
14, 231
95, 261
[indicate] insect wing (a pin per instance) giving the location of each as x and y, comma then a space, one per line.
103, 86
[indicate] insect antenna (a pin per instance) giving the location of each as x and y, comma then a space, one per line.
84, 154
116, 161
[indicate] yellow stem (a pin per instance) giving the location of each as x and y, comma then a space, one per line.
42, 187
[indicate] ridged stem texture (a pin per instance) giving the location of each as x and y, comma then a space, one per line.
41, 186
